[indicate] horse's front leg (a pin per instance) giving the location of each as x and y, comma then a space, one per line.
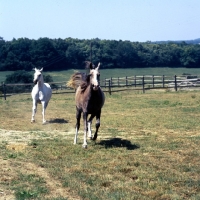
34, 110
97, 125
85, 129
78, 117
44, 105
89, 123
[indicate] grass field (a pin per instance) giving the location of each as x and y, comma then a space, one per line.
59, 76
147, 148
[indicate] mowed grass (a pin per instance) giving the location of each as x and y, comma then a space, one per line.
147, 148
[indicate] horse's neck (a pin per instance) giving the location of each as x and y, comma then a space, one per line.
40, 83
87, 92
91, 93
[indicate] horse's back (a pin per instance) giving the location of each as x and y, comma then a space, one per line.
47, 85
48, 90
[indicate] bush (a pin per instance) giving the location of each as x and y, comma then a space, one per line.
23, 76
20, 76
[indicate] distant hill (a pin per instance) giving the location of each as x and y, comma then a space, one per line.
196, 41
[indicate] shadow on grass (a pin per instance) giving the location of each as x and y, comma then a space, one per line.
59, 121
118, 142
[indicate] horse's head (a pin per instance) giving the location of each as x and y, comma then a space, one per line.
38, 75
94, 76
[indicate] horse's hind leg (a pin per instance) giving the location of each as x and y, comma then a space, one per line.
97, 125
89, 126
78, 117
34, 109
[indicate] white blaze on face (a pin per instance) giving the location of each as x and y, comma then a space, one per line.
36, 75
94, 78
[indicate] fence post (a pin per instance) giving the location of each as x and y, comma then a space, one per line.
135, 80
143, 88
153, 81
109, 87
163, 81
4, 90
175, 83
126, 81
1, 92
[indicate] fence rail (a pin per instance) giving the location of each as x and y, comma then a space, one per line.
110, 85
152, 82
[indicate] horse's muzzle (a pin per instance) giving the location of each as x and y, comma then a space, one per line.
95, 87
35, 82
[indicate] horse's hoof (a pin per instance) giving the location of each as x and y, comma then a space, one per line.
32, 121
84, 146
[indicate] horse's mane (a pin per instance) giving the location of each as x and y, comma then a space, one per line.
79, 79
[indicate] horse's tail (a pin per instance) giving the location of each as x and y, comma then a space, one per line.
76, 80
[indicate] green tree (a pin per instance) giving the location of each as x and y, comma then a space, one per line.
61, 54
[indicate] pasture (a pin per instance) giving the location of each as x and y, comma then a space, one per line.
147, 148
59, 76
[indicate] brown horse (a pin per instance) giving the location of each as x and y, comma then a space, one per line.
89, 100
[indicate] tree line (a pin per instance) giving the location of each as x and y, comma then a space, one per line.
70, 53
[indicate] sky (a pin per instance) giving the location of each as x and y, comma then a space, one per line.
132, 20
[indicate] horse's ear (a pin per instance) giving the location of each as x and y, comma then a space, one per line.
98, 66
89, 65
41, 69
34, 69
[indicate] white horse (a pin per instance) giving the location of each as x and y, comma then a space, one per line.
41, 93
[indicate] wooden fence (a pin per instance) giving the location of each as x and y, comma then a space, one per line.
110, 85
148, 82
